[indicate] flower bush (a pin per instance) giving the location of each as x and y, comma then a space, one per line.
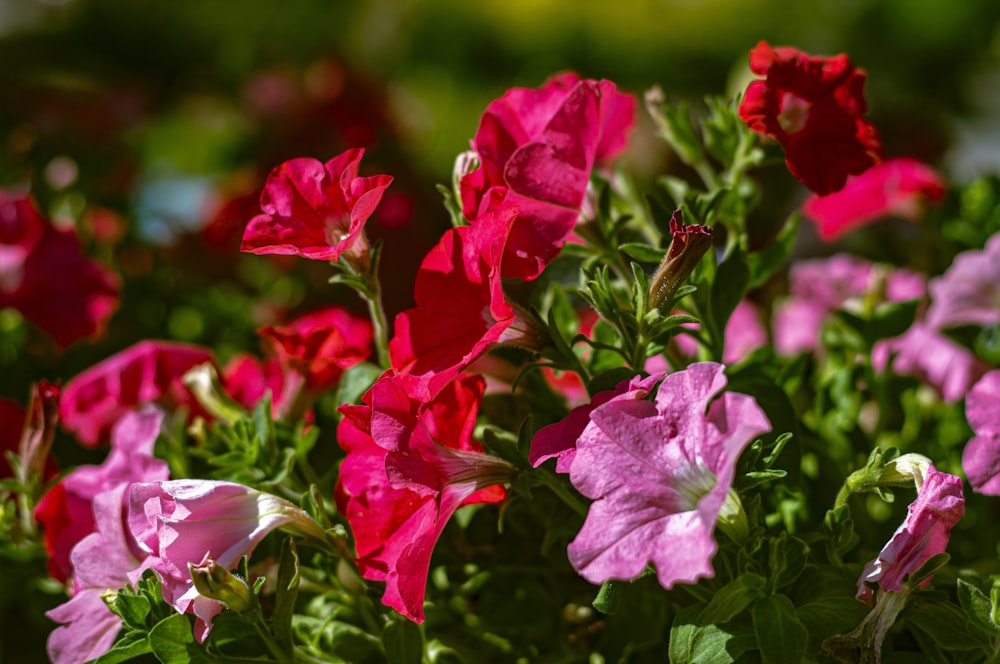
618, 418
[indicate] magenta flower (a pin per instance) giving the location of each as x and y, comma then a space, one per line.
659, 474
895, 188
45, 276
968, 293
537, 149
182, 521
938, 506
316, 210
410, 464
461, 310
981, 459
66, 512
814, 107
93, 400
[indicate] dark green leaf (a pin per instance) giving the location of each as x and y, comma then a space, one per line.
608, 597
780, 634
643, 252
172, 641
286, 591
691, 643
131, 645
977, 606
944, 622
764, 263
832, 615
732, 598
133, 609
787, 560
403, 642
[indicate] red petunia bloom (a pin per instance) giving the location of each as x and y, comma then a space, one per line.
537, 148
813, 106
247, 379
316, 210
45, 276
461, 309
897, 187
410, 464
92, 401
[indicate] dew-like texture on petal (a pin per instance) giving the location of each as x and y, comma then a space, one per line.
814, 107
894, 188
981, 458
315, 210
939, 504
658, 474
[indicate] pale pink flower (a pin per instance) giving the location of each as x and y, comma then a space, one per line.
981, 459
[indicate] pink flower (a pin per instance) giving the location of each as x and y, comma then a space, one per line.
814, 107
981, 459
182, 521
969, 292
93, 400
45, 276
659, 474
897, 187
66, 512
410, 464
461, 308
537, 149
744, 332
316, 210
938, 506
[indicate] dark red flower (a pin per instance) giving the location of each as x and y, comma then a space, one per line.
45, 276
814, 107
537, 148
95, 399
247, 379
316, 210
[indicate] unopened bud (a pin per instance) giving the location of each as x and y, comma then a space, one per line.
218, 583
203, 381
689, 244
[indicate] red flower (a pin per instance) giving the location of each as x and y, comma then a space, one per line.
461, 309
95, 399
247, 379
537, 149
316, 210
897, 187
44, 275
813, 106
410, 464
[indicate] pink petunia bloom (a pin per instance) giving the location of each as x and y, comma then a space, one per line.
537, 149
820, 286
674, 461
895, 188
66, 512
316, 210
93, 400
182, 521
981, 458
814, 107
558, 441
461, 310
45, 276
968, 293
744, 332
938, 506
410, 464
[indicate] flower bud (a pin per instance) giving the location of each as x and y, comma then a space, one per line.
689, 244
216, 582
203, 381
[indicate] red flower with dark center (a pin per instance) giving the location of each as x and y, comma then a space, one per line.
813, 106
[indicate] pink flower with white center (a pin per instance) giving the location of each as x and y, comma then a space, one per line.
316, 210
981, 458
660, 474
182, 521
924, 533
968, 293
895, 188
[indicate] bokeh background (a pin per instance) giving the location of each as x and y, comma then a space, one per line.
150, 127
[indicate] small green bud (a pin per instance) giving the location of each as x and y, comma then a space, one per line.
216, 582
689, 244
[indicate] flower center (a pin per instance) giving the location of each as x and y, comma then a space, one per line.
794, 113
692, 483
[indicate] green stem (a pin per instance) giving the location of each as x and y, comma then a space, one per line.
272, 643
379, 322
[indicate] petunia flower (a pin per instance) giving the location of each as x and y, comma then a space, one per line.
744, 332
968, 292
895, 188
660, 474
66, 511
316, 210
40, 423
981, 458
537, 148
247, 379
179, 522
410, 464
813, 107
461, 310
924, 533
93, 400
45, 276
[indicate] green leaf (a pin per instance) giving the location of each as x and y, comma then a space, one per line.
732, 598
608, 597
172, 641
643, 252
691, 643
130, 645
133, 609
944, 622
977, 606
728, 288
286, 592
891, 319
787, 559
355, 382
781, 635
403, 642
764, 263
827, 616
